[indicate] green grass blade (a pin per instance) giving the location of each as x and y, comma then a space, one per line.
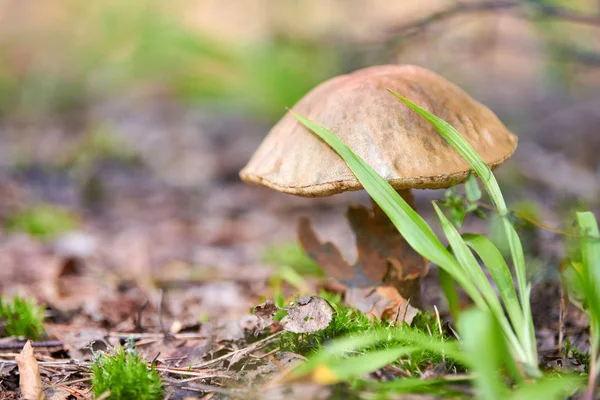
472, 189
353, 367
484, 348
470, 264
590, 282
493, 260
449, 349
339, 348
483, 171
590, 249
558, 388
465, 150
410, 224
491, 185
438, 388
449, 288
464, 256
422, 237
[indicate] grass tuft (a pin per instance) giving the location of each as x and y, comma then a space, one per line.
125, 375
43, 221
21, 317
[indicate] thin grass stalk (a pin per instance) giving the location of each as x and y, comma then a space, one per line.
525, 332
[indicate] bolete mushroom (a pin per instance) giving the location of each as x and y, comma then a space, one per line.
395, 141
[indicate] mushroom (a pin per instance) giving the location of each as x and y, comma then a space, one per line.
397, 143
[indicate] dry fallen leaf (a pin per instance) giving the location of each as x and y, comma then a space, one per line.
311, 314
383, 302
265, 313
384, 259
30, 380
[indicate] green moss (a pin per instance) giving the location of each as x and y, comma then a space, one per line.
125, 375
21, 317
43, 221
583, 358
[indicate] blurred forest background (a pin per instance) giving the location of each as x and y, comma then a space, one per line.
125, 123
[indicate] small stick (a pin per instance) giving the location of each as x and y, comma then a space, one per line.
248, 349
138, 320
207, 388
149, 335
161, 309
561, 321
191, 372
70, 382
19, 345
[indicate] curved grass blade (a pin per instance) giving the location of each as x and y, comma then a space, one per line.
341, 369
590, 282
491, 185
495, 264
450, 293
484, 347
333, 355
563, 387
470, 264
464, 149
410, 224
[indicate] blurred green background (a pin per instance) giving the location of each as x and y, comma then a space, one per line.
187, 89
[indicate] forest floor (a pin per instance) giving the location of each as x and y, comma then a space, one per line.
176, 261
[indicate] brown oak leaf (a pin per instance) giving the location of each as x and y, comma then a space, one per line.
384, 259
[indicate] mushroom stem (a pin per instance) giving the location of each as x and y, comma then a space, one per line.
406, 194
405, 272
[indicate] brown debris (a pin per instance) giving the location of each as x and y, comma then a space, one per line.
30, 380
265, 313
311, 314
383, 302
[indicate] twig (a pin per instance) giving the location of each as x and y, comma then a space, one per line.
537, 223
19, 345
565, 15
65, 383
414, 27
196, 378
472, 7
275, 350
67, 363
207, 388
104, 395
138, 320
438, 319
74, 391
191, 372
179, 336
249, 349
161, 310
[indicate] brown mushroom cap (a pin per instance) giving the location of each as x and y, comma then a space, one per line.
394, 140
